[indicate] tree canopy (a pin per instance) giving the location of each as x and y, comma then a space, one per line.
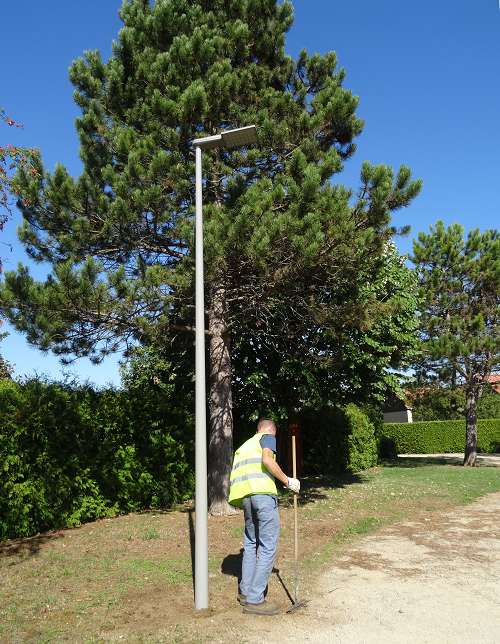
459, 279
11, 158
289, 252
333, 364
438, 401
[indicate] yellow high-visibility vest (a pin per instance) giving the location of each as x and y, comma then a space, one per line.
249, 476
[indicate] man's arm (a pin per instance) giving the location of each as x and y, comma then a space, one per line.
273, 467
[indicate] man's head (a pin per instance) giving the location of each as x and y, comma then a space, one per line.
265, 425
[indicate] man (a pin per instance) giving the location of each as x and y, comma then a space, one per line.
253, 488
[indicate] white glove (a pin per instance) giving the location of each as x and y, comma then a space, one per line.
294, 485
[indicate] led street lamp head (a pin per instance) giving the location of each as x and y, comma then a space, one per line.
239, 137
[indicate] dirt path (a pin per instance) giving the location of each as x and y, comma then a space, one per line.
431, 581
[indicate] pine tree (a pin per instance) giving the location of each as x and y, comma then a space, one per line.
459, 319
286, 249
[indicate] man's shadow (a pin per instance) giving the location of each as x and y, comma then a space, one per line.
231, 565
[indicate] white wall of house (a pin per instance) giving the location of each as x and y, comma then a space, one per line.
398, 416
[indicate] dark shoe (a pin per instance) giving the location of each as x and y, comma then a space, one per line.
242, 599
264, 608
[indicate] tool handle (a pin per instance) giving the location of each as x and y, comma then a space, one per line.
294, 464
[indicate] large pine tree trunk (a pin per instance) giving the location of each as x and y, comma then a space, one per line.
220, 447
472, 396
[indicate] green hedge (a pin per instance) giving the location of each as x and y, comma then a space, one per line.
70, 454
436, 436
340, 439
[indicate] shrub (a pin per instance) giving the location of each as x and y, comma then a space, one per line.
438, 436
362, 446
338, 439
70, 454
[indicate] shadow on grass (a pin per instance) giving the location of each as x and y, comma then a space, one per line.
420, 462
24, 547
312, 487
190, 512
179, 507
483, 460
415, 462
231, 565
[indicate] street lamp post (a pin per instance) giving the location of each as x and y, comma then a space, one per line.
228, 139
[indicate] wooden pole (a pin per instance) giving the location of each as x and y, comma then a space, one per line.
296, 527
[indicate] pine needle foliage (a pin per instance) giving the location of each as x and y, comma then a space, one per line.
287, 248
459, 317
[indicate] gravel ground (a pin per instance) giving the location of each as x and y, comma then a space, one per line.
430, 581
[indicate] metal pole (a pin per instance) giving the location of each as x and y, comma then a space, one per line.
201, 505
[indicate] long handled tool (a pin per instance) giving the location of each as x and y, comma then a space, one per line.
296, 603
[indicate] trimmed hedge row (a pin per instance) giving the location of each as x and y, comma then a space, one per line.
437, 436
338, 439
72, 454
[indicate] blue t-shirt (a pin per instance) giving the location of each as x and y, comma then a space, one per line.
268, 441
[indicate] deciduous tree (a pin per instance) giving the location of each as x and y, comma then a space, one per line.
335, 364
6, 368
11, 158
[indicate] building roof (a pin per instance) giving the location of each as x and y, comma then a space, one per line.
494, 380
394, 403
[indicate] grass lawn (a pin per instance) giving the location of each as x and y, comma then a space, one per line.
130, 578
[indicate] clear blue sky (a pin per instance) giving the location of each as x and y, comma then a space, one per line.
426, 73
